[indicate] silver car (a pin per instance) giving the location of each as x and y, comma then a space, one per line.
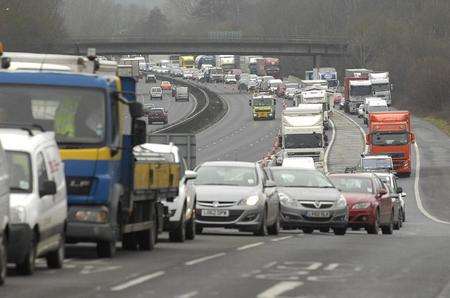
236, 195
309, 201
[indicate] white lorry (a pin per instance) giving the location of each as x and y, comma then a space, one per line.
226, 62
359, 91
4, 214
374, 104
302, 132
381, 86
315, 96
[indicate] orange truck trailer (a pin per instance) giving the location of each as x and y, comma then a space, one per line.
390, 133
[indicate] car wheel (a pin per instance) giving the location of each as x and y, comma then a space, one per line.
190, 227
325, 230
55, 259
27, 266
389, 229
340, 231
3, 260
375, 228
147, 239
106, 249
403, 215
179, 233
275, 228
261, 230
307, 230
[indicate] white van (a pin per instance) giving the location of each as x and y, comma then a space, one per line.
4, 213
182, 93
156, 92
38, 205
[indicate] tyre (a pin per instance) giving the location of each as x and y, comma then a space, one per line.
147, 238
403, 215
27, 266
55, 259
129, 241
375, 228
340, 231
179, 233
307, 230
324, 230
190, 227
275, 228
389, 229
106, 249
198, 229
3, 261
261, 230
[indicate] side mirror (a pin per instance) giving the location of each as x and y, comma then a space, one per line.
413, 138
139, 132
399, 190
48, 188
392, 87
136, 109
368, 139
269, 184
190, 175
381, 192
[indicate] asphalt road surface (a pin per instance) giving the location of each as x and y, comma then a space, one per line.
413, 262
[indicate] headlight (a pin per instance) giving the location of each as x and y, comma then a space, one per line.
341, 202
362, 205
18, 214
97, 216
250, 201
288, 201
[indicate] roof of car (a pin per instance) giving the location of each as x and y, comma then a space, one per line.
17, 139
358, 175
229, 164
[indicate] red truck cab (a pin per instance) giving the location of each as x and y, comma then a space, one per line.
390, 133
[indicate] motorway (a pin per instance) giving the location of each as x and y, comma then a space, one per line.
413, 262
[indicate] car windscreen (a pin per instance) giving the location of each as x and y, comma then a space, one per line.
226, 175
300, 178
293, 141
353, 184
76, 115
156, 112
390, 139
19, 165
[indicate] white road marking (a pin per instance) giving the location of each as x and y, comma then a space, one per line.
314, 266
137, 281
91, 269
330, 145
280, 288
363, 133
200, 260
445, 293
281, 238
188, 295
250, 246
417, 191
268, 265
331, 266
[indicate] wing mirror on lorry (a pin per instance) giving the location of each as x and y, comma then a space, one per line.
274, 102
368, 139
48, 188
5, 62
136, 109
412, 137
139, 132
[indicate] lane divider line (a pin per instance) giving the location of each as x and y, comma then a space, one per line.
203, 259
281, 238
363, 133
280, 288
137, 281
250, 246
417, 190
330, 145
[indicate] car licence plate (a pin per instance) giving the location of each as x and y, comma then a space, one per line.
215, 212
318, 214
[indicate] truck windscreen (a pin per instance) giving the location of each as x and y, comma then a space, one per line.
260, 102
294, 141
390, 139
76, 115
360, 90
380, 87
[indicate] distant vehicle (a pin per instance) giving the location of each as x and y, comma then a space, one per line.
214, 75
309, 201
236, 195
361, 111
182, 94
230, 79
166, 86
374, 105
375, 163
4, 215
187, 61
288, 90
381, 86
299, 163
150, 78
156, 92
263, 107
188, 74
273, 85
369, 202
158, 115
38, 198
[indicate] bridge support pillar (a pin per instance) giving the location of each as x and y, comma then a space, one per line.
316, 61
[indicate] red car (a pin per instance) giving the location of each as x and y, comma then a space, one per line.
166, 85
369, 203
157, 115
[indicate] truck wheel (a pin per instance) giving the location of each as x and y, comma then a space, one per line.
147, 238
190, 227
55, 259
106, 249
129, 241
3, 260
27, 266
179, 233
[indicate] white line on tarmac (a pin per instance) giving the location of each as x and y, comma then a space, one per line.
281, 238
445, 293
363, 133
137, 281
330, 145
271, 264
417, 191
200, 260
250, 246
331, 267
314, 266
188, 295
280, 288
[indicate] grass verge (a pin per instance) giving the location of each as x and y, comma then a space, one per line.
439, 123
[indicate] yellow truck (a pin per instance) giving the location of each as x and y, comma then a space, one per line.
263, 107
187, 61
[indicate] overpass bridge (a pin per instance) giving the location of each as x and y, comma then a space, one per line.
305, 45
